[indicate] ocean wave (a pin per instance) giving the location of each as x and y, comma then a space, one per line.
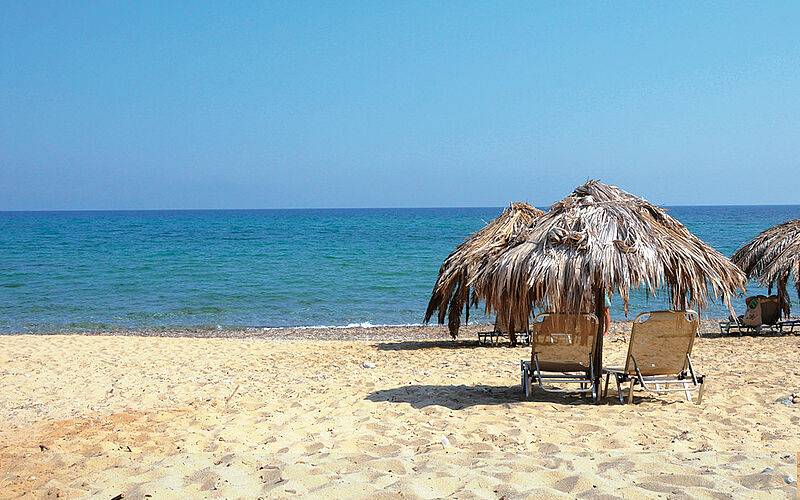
364, 324
93, 327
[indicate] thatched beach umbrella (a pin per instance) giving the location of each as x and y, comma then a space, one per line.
601, 240
451, 293
772, 257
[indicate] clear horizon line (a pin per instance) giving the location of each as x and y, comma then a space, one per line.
347, 208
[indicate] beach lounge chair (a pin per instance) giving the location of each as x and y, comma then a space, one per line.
493, 337
789, 326
763, 315
562, 352
659, 355
771, 317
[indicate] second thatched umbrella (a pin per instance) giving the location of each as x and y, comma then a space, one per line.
600, 240
772, 257
451, 293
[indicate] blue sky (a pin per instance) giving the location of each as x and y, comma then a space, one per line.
107, 105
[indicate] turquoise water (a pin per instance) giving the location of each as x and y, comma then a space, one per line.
106, 271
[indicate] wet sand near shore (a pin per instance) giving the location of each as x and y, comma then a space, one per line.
394, 412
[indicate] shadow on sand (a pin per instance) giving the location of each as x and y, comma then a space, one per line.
458, 397
412, 345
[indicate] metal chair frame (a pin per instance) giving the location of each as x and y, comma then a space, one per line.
697, 381
586, 379
493, 338
731, 326
789, 326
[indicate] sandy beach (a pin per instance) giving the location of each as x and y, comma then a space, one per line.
391, 413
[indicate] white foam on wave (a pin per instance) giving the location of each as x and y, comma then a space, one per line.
363, 324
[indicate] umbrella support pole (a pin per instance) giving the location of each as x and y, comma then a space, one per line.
600, 310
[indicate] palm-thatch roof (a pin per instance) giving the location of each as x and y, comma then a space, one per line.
451, 291
773, 256
597, 240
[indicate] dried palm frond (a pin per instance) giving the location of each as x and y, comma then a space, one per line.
772, 257
600, 239
451, 293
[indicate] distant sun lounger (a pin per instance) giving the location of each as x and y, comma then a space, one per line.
659, 355
493, 337
562, 352
763, 315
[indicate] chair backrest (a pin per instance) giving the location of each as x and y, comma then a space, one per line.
660, 341
770, 310
564, 342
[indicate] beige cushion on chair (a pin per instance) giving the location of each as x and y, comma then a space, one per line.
660, 341
564, 342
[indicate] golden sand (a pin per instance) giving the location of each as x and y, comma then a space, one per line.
156, 417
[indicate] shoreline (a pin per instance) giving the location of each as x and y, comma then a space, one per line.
708, 327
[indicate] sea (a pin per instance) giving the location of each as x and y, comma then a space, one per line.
107, 271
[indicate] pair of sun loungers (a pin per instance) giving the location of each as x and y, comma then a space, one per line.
658, 358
